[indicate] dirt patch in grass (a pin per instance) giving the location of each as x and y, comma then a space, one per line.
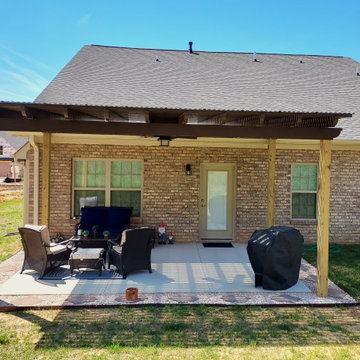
11, 192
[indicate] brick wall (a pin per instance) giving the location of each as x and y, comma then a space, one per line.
8, 150
5, 169
171, 196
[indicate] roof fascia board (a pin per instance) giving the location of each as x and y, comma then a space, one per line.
167, 129
123, 140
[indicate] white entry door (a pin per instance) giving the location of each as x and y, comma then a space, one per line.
217, 201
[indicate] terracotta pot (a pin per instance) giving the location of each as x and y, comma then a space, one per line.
131, 294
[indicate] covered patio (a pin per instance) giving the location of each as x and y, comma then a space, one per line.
184, 273
47, 124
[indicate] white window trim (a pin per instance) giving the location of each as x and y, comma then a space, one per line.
108, 187
304, 192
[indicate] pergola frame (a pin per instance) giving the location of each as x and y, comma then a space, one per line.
55, 118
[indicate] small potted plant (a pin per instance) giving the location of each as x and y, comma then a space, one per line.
86, 234
106, 234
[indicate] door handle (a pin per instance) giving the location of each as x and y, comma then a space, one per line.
202, 203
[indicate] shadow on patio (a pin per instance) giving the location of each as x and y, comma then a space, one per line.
182, 274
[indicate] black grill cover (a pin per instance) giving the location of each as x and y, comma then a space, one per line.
275, 256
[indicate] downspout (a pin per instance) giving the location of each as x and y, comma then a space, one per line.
36, 179
26, 188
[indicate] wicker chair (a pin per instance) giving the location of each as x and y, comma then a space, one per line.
134, 251
40, 254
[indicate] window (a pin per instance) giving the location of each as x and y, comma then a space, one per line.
304, 192
107, 183
1, 150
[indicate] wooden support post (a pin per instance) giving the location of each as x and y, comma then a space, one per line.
323, 218
262, 119
271, 183
45, 185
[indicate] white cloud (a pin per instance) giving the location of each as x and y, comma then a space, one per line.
20, 76
29, 74
84, 19
6, 95
25, 57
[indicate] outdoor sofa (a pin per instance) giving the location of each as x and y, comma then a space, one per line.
113, 219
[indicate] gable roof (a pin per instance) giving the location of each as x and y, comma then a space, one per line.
172, 79
15, 141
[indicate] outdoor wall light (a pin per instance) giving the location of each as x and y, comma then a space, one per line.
188, 169
164, 140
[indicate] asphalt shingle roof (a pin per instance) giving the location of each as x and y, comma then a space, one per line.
15, 141
171, 79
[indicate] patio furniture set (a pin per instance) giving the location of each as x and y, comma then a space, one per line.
127, 249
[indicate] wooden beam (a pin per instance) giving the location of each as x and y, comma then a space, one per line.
157, 129
323, 218
138, 116
286, 120
69, 114
271, 183
218, 119
27, 113
250, 120
106, 114
187, 117
262, 119
45, 185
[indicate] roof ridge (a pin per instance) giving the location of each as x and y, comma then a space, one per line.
215, 52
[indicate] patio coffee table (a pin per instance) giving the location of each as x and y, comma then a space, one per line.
91, 258
79, 241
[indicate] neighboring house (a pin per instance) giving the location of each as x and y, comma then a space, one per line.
9, 145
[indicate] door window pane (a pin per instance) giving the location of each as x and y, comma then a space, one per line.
217, 200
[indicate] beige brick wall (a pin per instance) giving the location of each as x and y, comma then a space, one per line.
5, 169
171, 196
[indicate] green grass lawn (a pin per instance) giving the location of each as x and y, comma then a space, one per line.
11, 213
344, 267
182, 332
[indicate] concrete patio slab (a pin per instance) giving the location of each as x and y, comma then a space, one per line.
182, 274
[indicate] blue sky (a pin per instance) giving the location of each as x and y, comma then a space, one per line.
38, 37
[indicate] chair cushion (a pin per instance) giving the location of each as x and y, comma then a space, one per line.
92, 216
123, 237
55, 249
117, 249
43, 230
118, 217
87, 253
